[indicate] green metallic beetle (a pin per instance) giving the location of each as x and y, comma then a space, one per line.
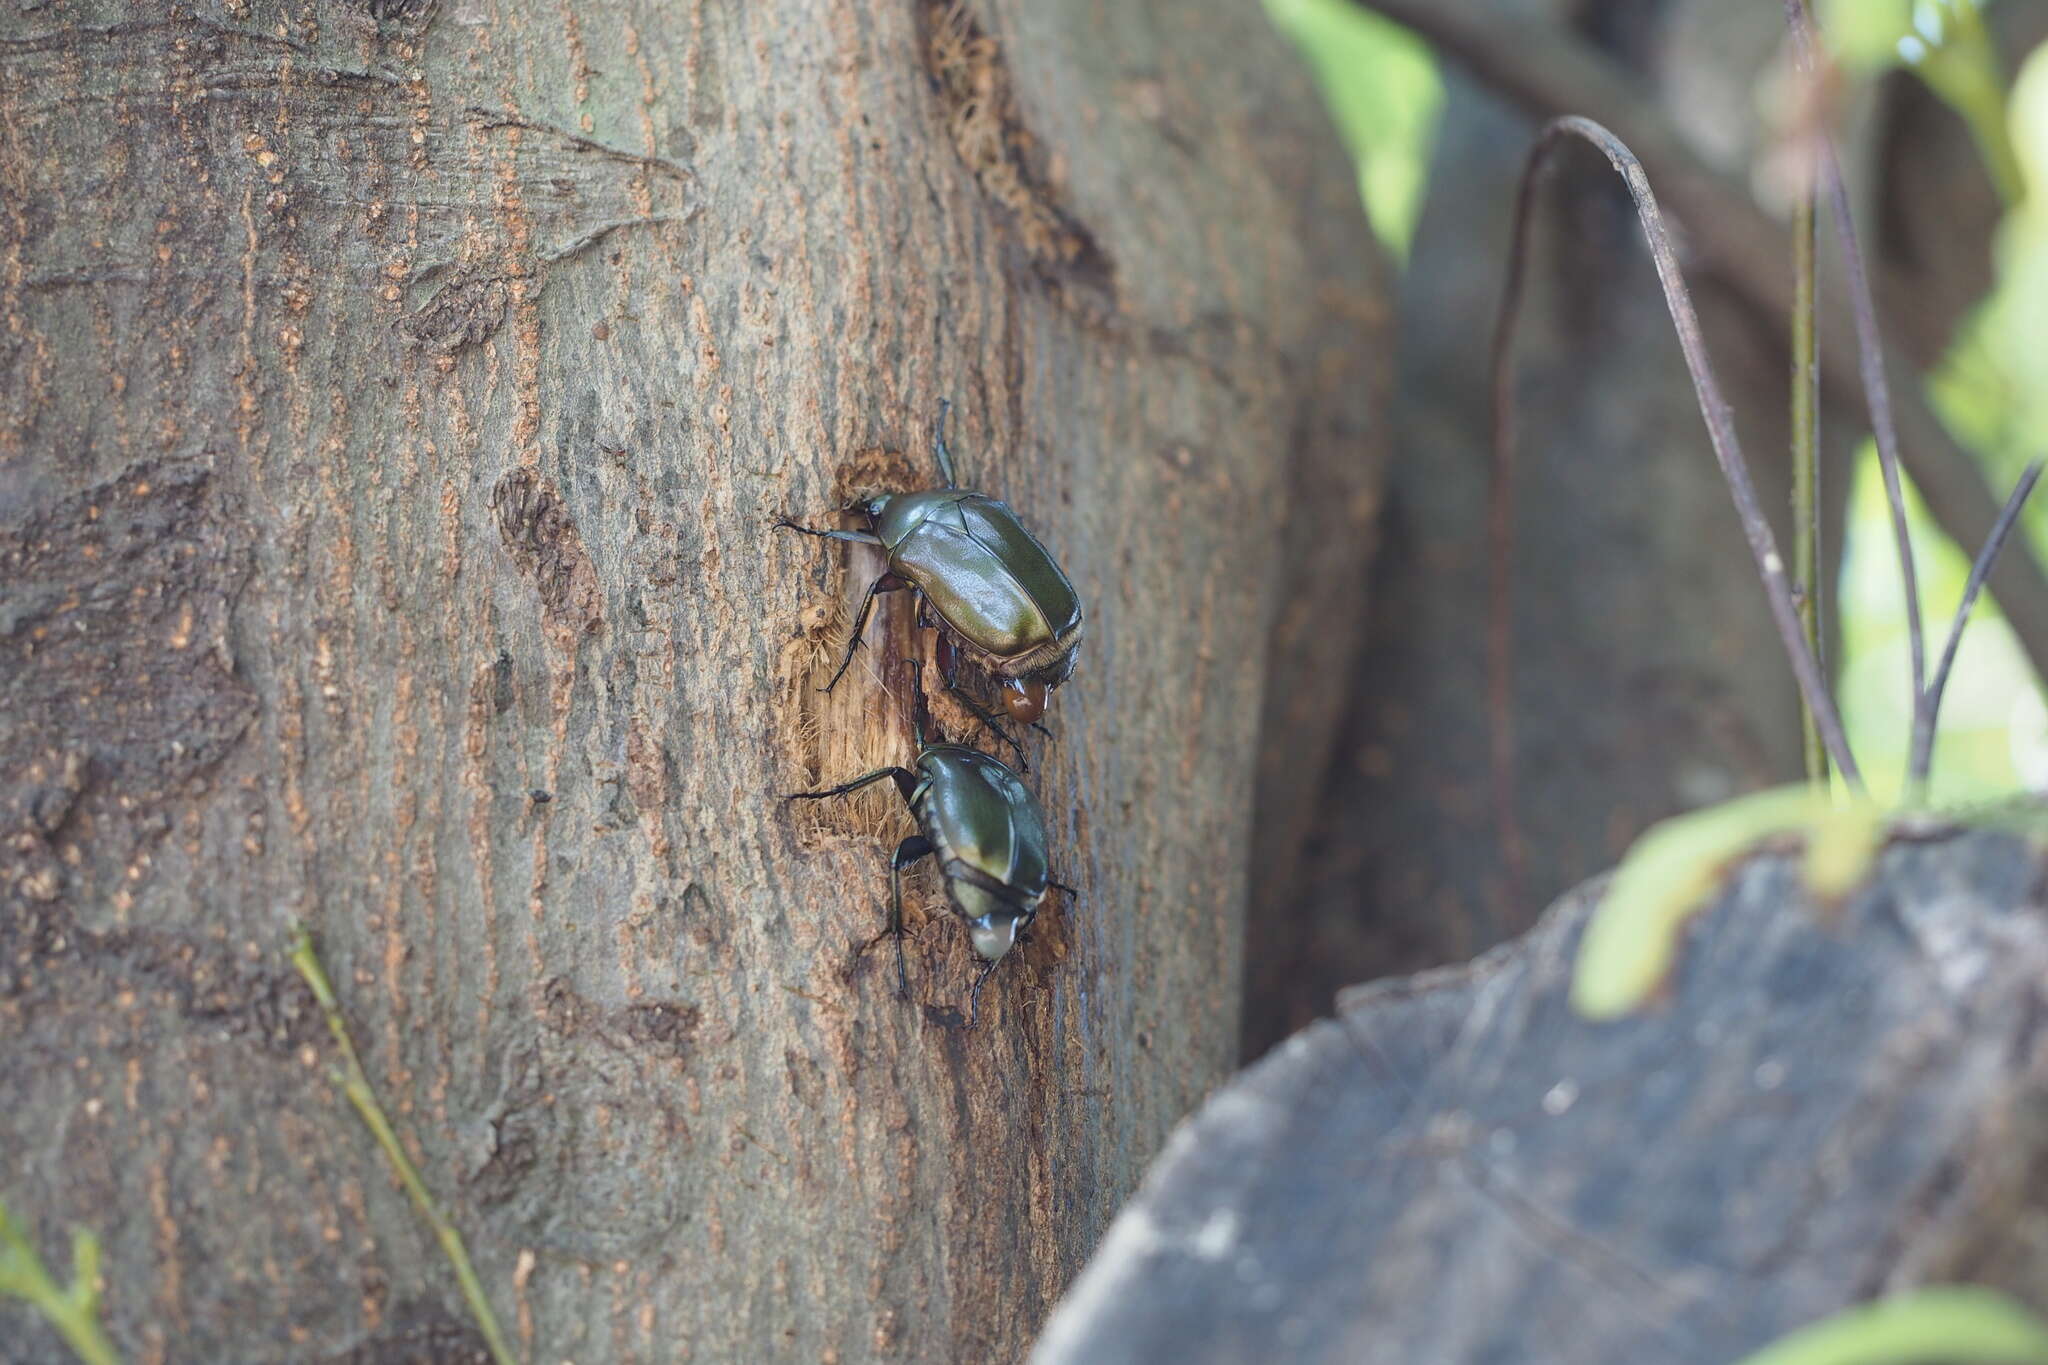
986, 829
992, 586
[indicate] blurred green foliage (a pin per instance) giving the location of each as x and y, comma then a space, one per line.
1992, 389
1384, 94
1947, 44
1381, 84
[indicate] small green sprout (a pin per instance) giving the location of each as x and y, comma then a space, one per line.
74, 1310
356, 1085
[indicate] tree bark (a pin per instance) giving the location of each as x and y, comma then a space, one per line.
399, 397
1827, 1105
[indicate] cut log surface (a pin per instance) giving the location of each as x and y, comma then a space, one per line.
1459, 1170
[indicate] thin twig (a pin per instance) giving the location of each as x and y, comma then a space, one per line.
1500, 539
1926, 720
1546, 69
356, 1085
1806, 437
1713, 409
1870, 358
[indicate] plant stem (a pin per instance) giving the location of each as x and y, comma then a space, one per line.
1806, 452
1870, 356
1546, 68
1925, 719
356, 1085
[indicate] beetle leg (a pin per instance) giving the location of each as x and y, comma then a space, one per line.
1071, 892
974, 994
939, 451
994, 726
920, 710
906, 782
857, 537
949, 674
888, 582
907, 852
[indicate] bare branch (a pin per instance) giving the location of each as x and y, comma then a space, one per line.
1549, 71
1720, 430
1925, 719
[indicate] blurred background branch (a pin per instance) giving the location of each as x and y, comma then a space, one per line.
1637, 692
1547, 70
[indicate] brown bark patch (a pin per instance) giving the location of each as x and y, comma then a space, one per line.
419, 1335
535, 526
115, 671
160, 974
463, 312
557, 1158
988, 132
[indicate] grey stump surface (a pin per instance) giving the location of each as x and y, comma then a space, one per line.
1457, 1169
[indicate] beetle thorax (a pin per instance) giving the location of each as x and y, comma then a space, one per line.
896, 515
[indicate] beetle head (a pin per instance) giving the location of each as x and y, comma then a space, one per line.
872, 508
993, 934
1024, 698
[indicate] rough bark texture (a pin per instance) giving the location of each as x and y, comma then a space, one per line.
1646, 669
1457, 1169
397, 399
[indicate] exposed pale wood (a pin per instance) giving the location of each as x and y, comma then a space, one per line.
396, 402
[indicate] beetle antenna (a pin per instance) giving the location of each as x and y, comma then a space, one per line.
918, 712
974, 993
944, 456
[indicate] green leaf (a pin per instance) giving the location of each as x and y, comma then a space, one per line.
1381, 85
1633, 938
1959, 1324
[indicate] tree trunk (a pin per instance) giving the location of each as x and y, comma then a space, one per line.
398, 400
